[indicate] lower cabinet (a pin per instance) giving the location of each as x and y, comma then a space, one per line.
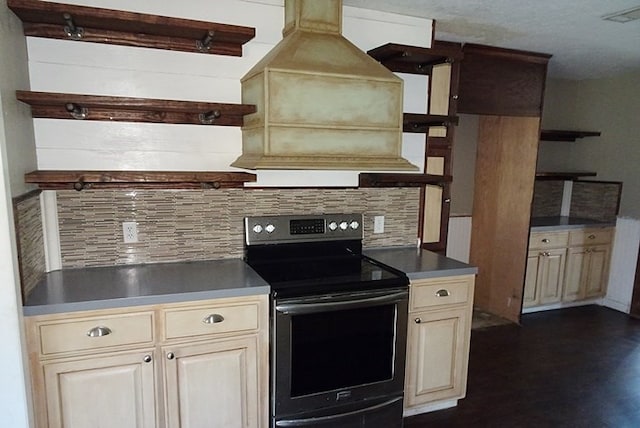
440, 312
177, 366
567, 266
587, 272
212, 384
544, 276
101, 391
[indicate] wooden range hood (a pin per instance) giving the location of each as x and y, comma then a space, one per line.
321, 102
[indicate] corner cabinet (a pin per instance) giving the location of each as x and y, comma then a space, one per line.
182, 365
440, 313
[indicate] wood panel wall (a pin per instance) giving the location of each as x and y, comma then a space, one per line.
504, 179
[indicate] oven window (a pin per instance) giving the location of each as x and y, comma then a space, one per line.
338, 349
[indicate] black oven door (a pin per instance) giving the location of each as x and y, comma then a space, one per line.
342, 350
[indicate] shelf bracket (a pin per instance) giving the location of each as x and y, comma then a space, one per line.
204, 44
77, 111
73, 32
209, 117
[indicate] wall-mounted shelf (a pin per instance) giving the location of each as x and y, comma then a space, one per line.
559, 135
81, 180
415, 59
367, 179
420, 123
563, 175
123, 109
80, 23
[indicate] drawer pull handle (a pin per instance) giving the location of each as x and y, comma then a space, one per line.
546, 241
592, 236
213, 319
99, 332
442, 293
417, 320
147, 358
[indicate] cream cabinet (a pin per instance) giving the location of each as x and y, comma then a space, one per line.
588, 264
544, 277
184, 365
439, 330
567, 266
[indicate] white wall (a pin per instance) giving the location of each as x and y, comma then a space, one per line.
114, 70
17, 156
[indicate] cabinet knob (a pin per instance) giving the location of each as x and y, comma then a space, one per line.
170, 356
213, 319
417, 320
147, 358
442, 293
99, 331
448, 200
592, 236
455, 97
546, 241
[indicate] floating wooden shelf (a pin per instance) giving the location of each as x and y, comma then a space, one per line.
81, 180
80, 23
123, 109
558, 135
420, 123
414, 59
564, 175
367, 179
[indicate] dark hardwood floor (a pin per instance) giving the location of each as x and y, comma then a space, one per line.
575, 367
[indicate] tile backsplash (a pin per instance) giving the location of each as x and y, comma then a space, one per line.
30, 240
208, 224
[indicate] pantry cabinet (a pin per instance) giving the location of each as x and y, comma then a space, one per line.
177, 365
440, 312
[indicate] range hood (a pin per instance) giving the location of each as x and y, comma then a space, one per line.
321, 102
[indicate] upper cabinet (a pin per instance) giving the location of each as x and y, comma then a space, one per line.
503, 82
89, 24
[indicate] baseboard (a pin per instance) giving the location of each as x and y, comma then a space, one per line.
430, 407
618, 306
560, 305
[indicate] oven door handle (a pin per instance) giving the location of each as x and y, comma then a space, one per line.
334, 305
324, 419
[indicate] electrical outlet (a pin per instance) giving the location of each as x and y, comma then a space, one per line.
130, 232
378, 224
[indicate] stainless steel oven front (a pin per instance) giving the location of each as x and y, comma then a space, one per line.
341, 355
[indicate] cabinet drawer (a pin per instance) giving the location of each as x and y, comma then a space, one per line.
96, 333
544, 240
590, 237
440, 292
210, 320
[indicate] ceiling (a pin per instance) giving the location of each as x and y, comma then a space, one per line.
583, 45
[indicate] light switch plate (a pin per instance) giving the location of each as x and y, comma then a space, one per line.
378, 224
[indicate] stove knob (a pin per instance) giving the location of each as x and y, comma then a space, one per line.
333, 225
344, 225
257, 228
270, 228
354, 225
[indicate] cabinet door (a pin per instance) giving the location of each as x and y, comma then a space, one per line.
213, 384
531, 296
576, 272
551, 275
598, 271
101, 391
437, 355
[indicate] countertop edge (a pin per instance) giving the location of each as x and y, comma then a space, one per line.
125, 302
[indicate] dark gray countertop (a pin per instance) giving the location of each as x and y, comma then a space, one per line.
420, 264
546, 224
131, 285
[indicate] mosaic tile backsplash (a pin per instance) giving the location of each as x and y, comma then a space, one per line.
595, 200
547, 198
30, 238
208, 224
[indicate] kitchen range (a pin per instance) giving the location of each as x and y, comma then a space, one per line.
338, 322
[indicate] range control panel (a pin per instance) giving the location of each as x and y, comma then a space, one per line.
303, 228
